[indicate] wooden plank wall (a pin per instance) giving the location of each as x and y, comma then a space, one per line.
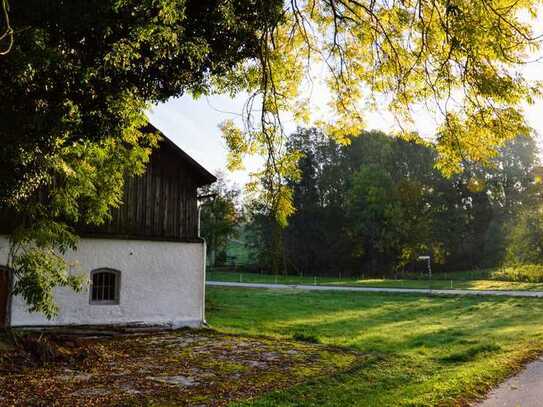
160, 204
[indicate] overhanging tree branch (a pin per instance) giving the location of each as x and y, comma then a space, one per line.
7, 34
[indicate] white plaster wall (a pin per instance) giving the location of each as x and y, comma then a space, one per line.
161, 283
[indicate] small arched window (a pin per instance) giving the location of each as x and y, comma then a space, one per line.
105, 286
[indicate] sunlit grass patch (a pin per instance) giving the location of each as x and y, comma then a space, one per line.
422, 351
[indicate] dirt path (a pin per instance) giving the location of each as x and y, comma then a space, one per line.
504, 293
523, 390
181, 368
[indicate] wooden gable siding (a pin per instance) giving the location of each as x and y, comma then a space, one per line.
160, 204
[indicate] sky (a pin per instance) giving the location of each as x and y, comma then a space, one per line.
194, 125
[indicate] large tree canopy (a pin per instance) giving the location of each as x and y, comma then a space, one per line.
76, 81
457, 59
375, 205
79, 70
76, 67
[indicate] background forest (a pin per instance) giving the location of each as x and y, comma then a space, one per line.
373, 206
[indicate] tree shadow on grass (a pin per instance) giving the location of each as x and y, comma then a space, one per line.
389, 322
429, 349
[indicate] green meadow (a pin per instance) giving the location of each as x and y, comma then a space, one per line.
415, 350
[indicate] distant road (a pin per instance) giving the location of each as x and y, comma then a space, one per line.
503, 293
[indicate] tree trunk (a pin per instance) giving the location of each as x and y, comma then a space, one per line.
277, 253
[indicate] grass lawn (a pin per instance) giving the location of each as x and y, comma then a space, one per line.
422, 351
455, 280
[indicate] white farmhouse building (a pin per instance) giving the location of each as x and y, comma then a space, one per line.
147, 266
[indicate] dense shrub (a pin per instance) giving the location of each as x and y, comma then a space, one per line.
525, 242
528, 273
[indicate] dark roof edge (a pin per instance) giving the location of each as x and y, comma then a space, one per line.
208, 177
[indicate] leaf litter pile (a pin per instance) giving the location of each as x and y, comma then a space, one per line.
174, 368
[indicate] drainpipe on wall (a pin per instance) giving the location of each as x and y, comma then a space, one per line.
204, 322
199, 219
203, 316
204, 250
